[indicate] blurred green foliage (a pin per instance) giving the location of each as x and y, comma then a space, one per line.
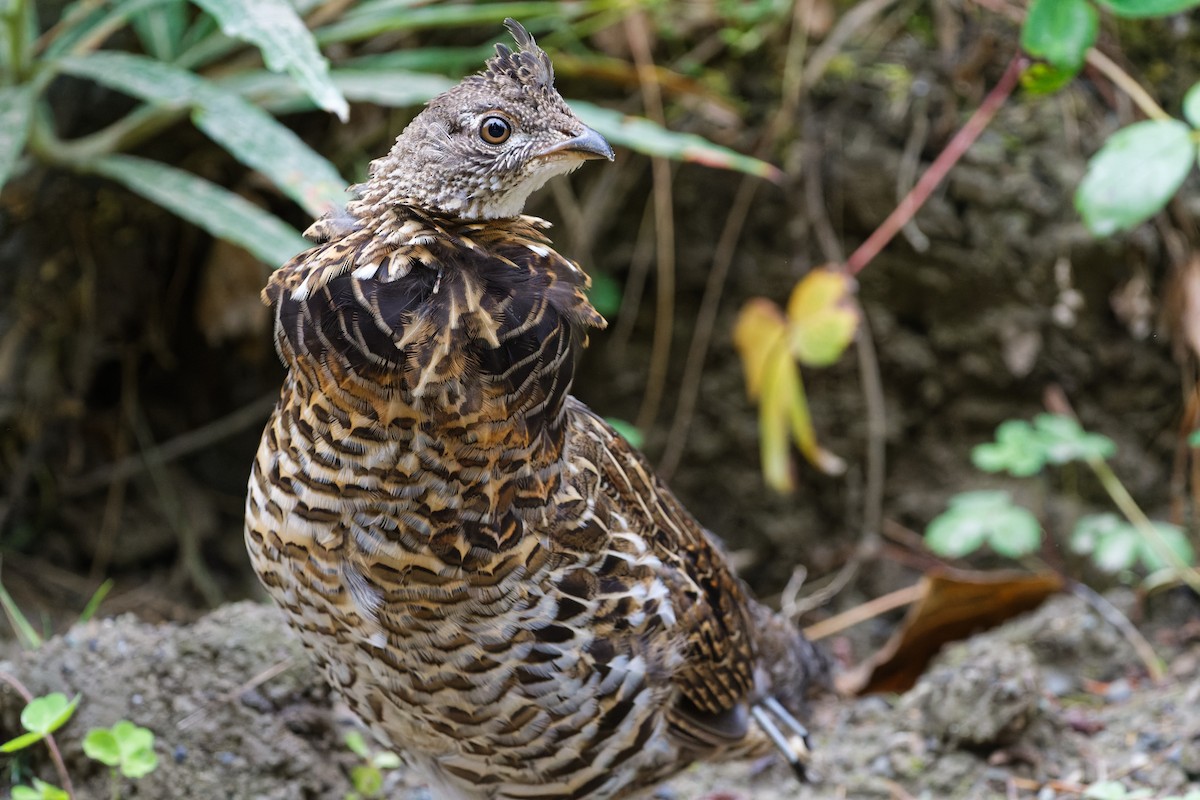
201, 59
1115, 544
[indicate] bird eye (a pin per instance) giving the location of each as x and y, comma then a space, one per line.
495, 130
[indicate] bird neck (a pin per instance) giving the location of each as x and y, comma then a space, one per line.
460, 337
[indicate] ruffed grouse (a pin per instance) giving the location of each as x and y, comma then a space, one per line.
492, 578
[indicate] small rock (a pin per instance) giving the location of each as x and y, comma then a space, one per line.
1119, 691
983, 694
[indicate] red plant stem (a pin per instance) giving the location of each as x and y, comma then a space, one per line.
962, 141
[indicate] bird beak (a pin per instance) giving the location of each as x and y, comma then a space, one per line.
587, 145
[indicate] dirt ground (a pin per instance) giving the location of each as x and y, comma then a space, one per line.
1044, 706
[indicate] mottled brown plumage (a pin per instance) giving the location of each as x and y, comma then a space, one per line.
493, 579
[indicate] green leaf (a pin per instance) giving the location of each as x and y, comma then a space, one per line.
369, 20
40, 791
1191, 105
1111, 541
92, 26
21, 742
251, 135
772, 378
1117, 552
356, 744
387, 760
1060, 31
605, 294
94, 602
218, 211
1174, 538
438, 60
773, 423
953, 534
367, 780
1064, 440
976, 518
1194, 439
800, 423
127, 746
161, 29
48, 713
390, 88
1106, 790
28, 636
822, 317
1017, 449
1141, 9
139, 763
1091, 529
101, 745
396, 88
627, 430
286, 44
1015, 532
137, 749
1043, 78
16, 112
1135, 173
132, 738
650, 139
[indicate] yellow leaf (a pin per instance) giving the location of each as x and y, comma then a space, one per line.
760, 327
778, 375
802, 429
822, 317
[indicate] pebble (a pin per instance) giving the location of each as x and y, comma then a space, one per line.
1119, 691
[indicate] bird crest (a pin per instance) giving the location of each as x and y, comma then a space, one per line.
528, 65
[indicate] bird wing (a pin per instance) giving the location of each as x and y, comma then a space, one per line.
715, 677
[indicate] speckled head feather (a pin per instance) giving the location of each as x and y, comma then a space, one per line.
492, 141
529, 66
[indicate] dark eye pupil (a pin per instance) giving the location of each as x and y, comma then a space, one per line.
495, 130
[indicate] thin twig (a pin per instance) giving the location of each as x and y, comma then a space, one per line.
933, 176
267, 674
180, 446
114, 501
1100, 62
869, 610
55, 754
794, 607
706, 322
910, 161
637, 31
792, 91
73, 16
1113, 616
1057, 402
849, 24
190, 557
1127, 84
816, 211
635, 285
876, 408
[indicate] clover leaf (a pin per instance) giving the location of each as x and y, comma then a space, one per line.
984, 517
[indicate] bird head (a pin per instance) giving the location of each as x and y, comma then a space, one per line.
480, 149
